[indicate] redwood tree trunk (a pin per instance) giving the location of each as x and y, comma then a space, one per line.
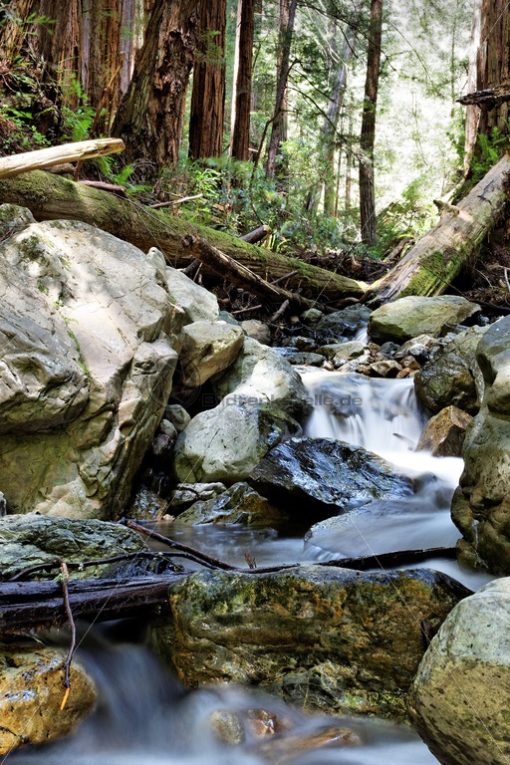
102, 64
240, 146
367, 141
13, 29
279, 125
151, 114
473, 112
208, 95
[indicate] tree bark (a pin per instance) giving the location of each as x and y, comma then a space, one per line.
58, 155
436, 259
61, 44
13, 29
367, 142
208, 95
240, 144
288, 10
473, 112
494, 60
51, 197
151, 114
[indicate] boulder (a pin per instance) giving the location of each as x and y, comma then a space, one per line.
460, 698
33, 540
261, 374
300, 358
452, 376
239, 505
481, 505
31, 694
341, 352
178, 416
227, 442
444, 434
208, 348
186, 494
408, 317
88, 335
257, 330
346, 324
318, 477
323, 638
197, 303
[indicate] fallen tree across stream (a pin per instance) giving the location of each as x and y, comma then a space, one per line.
428, 268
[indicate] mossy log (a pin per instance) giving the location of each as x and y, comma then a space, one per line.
51, 197
430, 266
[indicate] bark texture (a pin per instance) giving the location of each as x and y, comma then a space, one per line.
494, 60
240, 145
208, 95
150, 117
367, 142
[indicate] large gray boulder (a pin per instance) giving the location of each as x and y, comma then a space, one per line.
339, 641
461, 695
481, 506
260, 374
88, 332
451, 376
197, 303
227, 442
411, 316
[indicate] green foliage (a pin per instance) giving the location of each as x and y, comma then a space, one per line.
407, 218
490, 148
78, 121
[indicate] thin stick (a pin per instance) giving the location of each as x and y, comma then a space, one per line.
72, 625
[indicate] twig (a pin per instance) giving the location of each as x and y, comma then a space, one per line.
245, 310
279, 312
72, 625
172, 202
85, 564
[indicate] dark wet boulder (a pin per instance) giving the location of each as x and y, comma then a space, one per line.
346, 324
321, 477
240, 505
323, 638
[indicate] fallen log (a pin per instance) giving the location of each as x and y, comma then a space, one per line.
36, 604
58, 155
429, 267
257, 235
52, 197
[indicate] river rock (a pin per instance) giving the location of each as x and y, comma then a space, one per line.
481, 506
411, 316
461, 695
341, 352
323, 638
227, 442
31, 693
32, 540
257, 330
260, 374
239, 505
197, 303
452, 376
186, 494
321, 477
444, 434
88, 331
342, 325
208, 348
178, 416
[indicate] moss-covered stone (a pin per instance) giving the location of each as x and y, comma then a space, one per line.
323, 638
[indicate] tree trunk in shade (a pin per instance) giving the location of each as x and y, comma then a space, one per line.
208, 95
473, 112
279, 125
240, 144
367, 141
151, 114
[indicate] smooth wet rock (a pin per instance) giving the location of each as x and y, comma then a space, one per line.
322, 477
88, 335
260, 374
31, 694
408, 317
341, 352
257, 330
32, 540
481, 505
420, 348
178, 416
323, 638
208, 348
342, 325
186, 494
227, 442
239, 505
452, 376
312, 315
198, 303
385, 368
301, 358
444, 434
461, 695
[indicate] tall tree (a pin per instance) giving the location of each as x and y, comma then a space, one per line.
288, 10
102, 62
208, 95
473, 112
368, 124
240, 143
151, 115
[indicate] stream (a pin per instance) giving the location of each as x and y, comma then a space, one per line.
146, 718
